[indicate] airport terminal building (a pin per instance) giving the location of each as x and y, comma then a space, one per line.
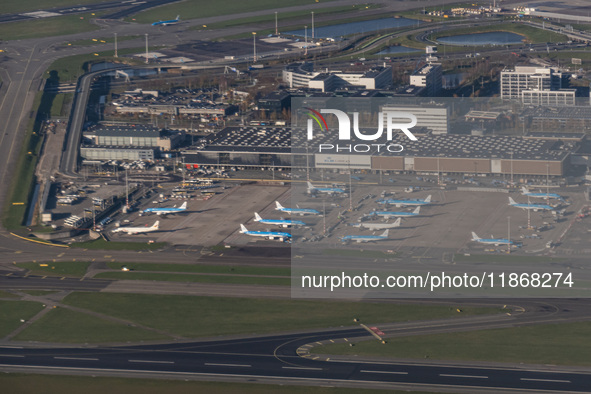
263, 148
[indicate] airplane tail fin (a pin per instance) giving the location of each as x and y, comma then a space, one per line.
184, 206
257, 217
428, 199
524, 190
156, 224
385, 233
397, 222
178, 17
243, 229
417, 210
511, 201
475, 237
278, 206
310, 186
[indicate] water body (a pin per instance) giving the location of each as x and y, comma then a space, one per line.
398, 49
345, 29
480, 39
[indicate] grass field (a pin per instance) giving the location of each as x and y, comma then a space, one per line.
16, 6
286, 17
61, 104
533, 35
63, 325
101, 244
5, 294
206, 269
21, 184
191, 9
567, 344
204, 278
46, 27
65, 268
26, 384
11, 313
210, 316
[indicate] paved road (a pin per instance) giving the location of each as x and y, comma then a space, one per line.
275, 359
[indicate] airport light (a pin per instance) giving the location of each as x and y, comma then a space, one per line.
146, 48
116, 55
276, 28
312, 25
254, 46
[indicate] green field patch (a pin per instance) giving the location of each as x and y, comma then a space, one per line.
200, 268
11, 313
61, 107
46, 384
47, 27
284, 17
5, 294
191, 9
197, 278
532, 34
101, 244
208, 316
18, 6
39, 292
64, 268
564, 344
63, 325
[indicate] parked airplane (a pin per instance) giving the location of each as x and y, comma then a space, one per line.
166, 211
297, 211
282, 222
493, 241
388, 214
365, 238
138, 230
403, 203
169, 22
329, 190
526, 192
535, 207
379, 226
266, 234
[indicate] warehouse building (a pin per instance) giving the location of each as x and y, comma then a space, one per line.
457, 154
302, 75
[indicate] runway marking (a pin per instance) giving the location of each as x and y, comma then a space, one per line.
11, 355
43, 277
11, 347
62, 278
463, 376
9, 274
304, 368
389, 372
546, 380
151, 361
76, 358
228, 365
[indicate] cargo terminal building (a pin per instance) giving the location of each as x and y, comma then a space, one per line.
264, 148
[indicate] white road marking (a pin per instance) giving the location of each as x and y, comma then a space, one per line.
77, 358
546, 380
151, 361
464, 376
11, 355
228, 365
304, 368
390, 372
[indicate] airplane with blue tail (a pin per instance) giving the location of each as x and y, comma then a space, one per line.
276, 222
364, 238
169, 22
266, 234
392, 214
534, 207
547, 196
328, 190
403, 203
297, 211
492, 241
166, 211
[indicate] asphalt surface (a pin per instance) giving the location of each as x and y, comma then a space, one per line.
275, 358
